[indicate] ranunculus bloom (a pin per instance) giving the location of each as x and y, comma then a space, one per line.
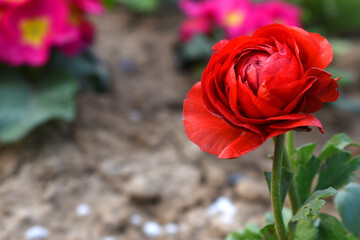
258, 87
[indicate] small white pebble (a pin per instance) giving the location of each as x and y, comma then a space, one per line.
135, 115
36, 232
108, 238
224, 208
136, 219
152, 229
83, 210
171, 228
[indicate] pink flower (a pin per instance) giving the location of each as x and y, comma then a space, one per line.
12, 2
196, 9
193, 26
29, 30
85, 36
83, 29
234, 16
278, 12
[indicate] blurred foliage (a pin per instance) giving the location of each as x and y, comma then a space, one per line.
30, 97
199, 48
109, 3
27, 103
335, 167
144, 6
330, 17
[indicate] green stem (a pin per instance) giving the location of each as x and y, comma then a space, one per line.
293, 189
275, 188
290, 144
288, 163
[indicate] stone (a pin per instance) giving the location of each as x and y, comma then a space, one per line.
252, 190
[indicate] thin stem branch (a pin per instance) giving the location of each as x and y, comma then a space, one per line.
275, 187
293, 188
290, 144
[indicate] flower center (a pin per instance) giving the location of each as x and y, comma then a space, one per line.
34, 30
234, 19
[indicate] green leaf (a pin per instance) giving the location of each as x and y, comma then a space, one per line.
337, 170
268, 232
86, 67
336, 143
305, 177
141, 6
286, 213
286, 178
331, 228
200, 47
304, 153
333, 16
109, 3
305, 230
25, 105
251, 232
347, 77
313, 204
347, 202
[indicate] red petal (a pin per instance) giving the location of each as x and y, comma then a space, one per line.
305, 122
219, 46
242, 145
314, 50
326, 52
311, 104
209, 132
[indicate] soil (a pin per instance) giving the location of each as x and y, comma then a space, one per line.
126, 161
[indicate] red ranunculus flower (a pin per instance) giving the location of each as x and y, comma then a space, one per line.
255, 88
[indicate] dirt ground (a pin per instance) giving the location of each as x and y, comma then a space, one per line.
125, 169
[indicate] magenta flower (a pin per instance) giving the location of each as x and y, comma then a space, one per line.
78, 23
12, 2
84, 38
29, 30
196, 9
278, 12
234, 16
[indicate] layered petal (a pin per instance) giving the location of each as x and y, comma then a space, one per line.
209, 132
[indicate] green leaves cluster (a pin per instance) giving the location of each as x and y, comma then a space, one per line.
316, 178
30, 97
333, 17
144, 6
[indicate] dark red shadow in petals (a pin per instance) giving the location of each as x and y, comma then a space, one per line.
331, 94
292, 124
294, 105
291, 91
311, 104
209, 132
